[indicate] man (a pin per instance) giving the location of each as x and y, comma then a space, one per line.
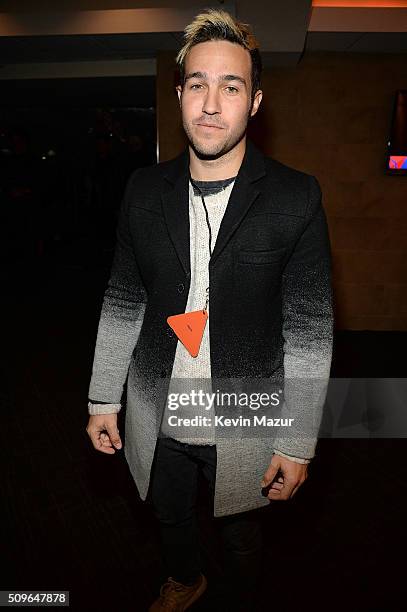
236, 243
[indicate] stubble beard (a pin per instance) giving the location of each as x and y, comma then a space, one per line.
215, 150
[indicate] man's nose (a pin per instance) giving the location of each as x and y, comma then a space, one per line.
211, 103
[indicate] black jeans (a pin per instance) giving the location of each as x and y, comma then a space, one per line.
174, 484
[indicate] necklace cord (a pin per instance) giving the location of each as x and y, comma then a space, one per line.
210, 235
206, 215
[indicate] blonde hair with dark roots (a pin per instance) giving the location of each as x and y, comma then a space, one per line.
220, 25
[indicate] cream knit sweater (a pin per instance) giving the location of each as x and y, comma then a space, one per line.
194, 373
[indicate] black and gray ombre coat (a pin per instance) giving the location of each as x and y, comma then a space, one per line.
270, 311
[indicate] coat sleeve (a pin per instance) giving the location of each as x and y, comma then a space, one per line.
307, 331
122, 313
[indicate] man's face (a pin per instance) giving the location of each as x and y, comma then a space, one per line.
215, 100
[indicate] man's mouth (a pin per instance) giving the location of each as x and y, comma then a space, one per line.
210, 125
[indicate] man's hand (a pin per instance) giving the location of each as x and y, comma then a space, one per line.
102, 430
285, 486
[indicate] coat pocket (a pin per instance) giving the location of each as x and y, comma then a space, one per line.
261, 257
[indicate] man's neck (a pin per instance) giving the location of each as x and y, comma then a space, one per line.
218, 169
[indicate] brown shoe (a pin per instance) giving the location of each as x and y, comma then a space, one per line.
177, 597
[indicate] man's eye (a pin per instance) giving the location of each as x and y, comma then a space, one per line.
195, 85
231, 89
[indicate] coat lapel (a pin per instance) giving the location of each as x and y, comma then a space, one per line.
175, 202
243, 195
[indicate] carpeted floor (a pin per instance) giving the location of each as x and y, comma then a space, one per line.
72, 518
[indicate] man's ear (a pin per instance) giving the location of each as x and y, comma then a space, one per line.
179, 93
256, 102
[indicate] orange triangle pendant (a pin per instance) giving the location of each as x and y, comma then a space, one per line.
189, 328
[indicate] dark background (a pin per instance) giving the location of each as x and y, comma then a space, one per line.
71, 518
